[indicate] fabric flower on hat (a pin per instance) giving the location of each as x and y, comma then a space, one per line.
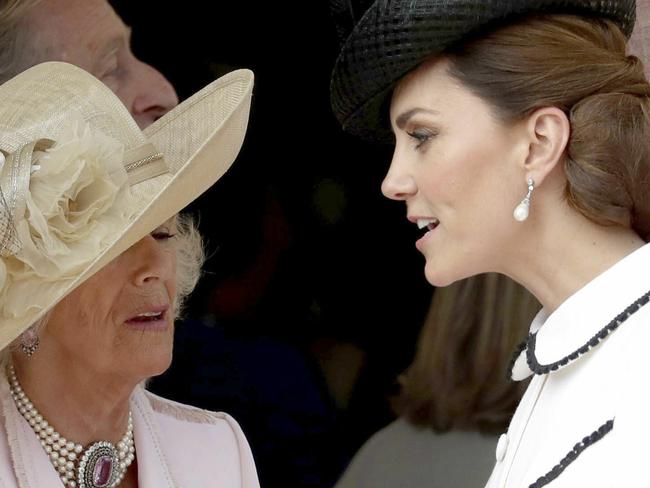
78, 200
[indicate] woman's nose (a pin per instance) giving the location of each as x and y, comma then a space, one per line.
398, 184
153, 261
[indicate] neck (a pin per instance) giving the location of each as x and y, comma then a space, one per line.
82, 406
564, 253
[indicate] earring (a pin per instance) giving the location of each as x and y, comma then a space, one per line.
29, 342
523, 209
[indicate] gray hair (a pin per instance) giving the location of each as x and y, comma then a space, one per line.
190, 256
16, 53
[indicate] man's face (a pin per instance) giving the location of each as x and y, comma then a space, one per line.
89, 34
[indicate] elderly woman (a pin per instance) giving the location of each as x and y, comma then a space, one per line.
95, 264
522, 146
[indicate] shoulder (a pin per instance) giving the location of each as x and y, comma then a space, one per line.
410, 437
182, 423
178, 416
632, 392
179, 429
402, 454
183, 412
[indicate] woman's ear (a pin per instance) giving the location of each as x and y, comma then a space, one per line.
548, 130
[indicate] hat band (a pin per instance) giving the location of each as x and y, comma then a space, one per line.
144, 162
141, 163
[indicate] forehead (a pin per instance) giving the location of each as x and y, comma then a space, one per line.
431, 87
170, 222
65, 28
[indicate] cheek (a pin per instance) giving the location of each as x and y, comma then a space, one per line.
173, 276
472, 189
449, 180
74, 321
113, 83
490, 204
88, 308
121, 90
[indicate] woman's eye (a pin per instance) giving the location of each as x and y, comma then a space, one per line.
162, 234
421, 136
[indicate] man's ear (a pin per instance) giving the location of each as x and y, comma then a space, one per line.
548, 131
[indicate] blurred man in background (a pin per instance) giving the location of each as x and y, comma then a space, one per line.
89, 34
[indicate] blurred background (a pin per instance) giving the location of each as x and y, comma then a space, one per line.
313, 293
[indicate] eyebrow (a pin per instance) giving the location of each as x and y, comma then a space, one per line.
401, 121
115, 43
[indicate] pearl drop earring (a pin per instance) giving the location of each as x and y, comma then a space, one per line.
523, 209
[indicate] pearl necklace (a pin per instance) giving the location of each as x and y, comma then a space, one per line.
101, 465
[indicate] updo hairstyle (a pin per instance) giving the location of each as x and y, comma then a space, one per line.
580, 66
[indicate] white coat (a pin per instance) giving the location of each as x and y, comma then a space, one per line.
587, 423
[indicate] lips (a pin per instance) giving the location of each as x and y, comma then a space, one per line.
149, 318
427, 224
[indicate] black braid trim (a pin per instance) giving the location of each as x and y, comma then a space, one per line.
537, 368
520, 348
573, 454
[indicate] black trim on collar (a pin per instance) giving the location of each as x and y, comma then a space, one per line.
540, 369
573, 454
515, 355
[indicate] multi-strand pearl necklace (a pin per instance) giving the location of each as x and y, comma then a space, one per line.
101, 465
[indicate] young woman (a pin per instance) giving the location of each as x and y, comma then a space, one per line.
522, 146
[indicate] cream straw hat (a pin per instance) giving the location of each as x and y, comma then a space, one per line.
81, 183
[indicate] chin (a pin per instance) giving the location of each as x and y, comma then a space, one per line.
436, 279
154, 365
161, 369
160, 360
154, 358
440, 277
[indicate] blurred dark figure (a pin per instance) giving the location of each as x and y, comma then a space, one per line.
456, 396
239, 358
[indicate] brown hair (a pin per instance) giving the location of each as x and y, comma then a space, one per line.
580, 66
16, 52
458, 379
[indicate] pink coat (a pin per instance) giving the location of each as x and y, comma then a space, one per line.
176, 446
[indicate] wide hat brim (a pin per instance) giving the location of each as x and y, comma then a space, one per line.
199, 140
395, 36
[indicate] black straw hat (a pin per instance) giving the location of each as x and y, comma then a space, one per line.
394, 36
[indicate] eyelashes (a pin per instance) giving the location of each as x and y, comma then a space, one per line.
162, 235
421, 136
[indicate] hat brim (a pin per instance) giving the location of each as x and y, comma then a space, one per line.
200, 140
393, 38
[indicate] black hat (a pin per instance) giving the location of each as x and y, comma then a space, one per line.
394, 36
